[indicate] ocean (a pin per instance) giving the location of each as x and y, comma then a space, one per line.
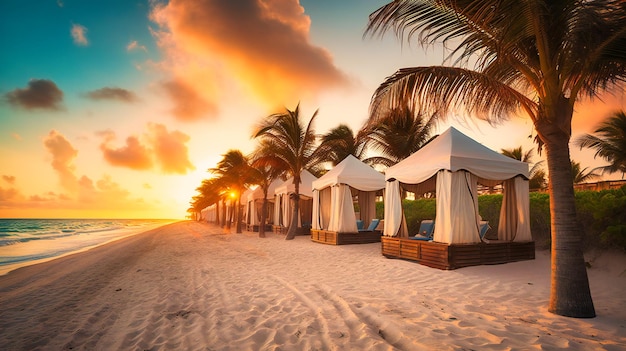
28, 241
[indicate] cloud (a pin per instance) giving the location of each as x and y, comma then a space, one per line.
133, 155
108, 93
261, 46
157, 146
170, 149
9, 179
63, 155
39, 94
101, 194
188, 104
79, 34
134, 46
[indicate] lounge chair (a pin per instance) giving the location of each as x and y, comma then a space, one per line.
359, 224
426, 231
372, 226
484, 228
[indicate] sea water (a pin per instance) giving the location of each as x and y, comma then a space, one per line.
27, 241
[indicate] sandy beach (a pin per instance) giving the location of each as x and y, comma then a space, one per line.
191, 286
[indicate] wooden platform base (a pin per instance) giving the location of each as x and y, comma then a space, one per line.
453, 256
255, 228
279, 229
335, 238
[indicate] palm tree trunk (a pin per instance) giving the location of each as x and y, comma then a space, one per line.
570, 295
293, 227
263, 216
239, 214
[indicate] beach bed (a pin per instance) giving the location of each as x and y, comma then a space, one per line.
453, 256
338, 238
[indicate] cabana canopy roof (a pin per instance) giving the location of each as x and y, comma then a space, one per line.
353, 172
306, 188
453, 151
257, 193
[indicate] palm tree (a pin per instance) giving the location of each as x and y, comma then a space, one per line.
610, 142
537, 176
397, 134
235, 172
292, 145
580, 175
340, 142
264, 172
509, 56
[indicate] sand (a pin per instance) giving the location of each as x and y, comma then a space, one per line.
190, 286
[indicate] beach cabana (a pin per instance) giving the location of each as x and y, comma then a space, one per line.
334, 218
453, 165
283, 205
254, 206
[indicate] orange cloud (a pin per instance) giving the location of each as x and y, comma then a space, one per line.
170, 149
79, 34
63, 155
108, 93
133, 155
9, 179
158, 146
134, 45
589, 114
188, 104
263, 45
39, 94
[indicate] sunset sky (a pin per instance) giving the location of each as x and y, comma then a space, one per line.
117, 108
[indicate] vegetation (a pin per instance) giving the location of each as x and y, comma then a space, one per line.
601, 216
609, 141
537, 57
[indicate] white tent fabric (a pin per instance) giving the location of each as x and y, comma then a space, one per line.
336, 212
353, 172
453, 151
283, 209
458, 163
254, 202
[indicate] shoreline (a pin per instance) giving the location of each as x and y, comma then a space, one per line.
190, 285
124, 233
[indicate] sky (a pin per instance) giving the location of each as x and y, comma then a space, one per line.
117, 108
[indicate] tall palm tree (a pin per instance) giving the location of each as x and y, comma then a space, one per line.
397, 134
264, 172
537, 176
609, 141
292, 144
235, 172
340, 142
508, 56
581, 175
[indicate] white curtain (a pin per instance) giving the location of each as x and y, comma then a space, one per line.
457, 208
325, 206
515, 211
393, 208
278, 205
342, 217
316, 217
367, 206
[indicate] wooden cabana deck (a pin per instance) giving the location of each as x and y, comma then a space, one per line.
279, 229
335, 238
453, 256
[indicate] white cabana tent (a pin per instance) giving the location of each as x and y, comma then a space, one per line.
254, 204
453, 165
283, 207
333, 208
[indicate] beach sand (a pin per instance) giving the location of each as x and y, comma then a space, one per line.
190, 286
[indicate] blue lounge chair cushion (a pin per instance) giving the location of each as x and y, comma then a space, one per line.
484, 227
359, 224
372, 226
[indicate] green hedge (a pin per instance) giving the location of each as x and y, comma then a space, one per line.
601, 215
